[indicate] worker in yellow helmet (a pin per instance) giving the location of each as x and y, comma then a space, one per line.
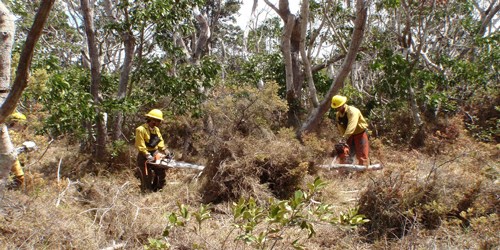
353, 129
17, 173
149, 142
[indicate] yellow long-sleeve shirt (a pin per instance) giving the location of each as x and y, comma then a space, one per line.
142, 136
351, 122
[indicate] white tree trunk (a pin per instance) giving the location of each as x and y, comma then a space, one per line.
304, 15
7, 155
7, 30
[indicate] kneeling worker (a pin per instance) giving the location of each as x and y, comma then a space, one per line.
353, 128
149, 142
17, 173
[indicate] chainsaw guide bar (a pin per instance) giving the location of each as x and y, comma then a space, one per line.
352, 167
164, 163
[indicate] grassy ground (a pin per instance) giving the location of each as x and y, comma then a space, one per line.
444, 200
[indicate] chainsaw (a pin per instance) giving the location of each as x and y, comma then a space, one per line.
167, 161
342, 152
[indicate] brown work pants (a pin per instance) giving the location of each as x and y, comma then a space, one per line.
152, 178
359, 146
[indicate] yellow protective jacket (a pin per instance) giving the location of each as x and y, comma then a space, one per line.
351, 122
143, 134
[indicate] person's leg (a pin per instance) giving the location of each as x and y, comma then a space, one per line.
145, 173
18, 174
159, 179
362, 147
351, 151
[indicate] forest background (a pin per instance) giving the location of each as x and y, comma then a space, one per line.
253, 106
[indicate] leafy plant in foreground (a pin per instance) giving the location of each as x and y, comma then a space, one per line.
263, 226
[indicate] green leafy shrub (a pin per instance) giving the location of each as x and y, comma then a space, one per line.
264, 225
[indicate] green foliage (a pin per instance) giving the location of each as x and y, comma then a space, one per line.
68, 103
387, 4
181, 92
265, 67
183, 217
352, 218
63, 40
155, 244
167, 17
117, 148
262, 226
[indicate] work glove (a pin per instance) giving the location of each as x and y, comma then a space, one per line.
150, 158
342, 140
169, 155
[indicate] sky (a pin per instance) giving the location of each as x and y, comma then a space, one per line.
246, 10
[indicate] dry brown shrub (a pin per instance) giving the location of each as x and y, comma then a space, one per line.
434, 193
443, 134
246, 152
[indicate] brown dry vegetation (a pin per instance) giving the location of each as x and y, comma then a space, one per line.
443, 196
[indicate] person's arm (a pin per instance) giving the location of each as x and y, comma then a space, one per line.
140, 142
339, 127
353, 117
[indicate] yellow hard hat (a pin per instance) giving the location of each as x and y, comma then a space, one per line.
338, 101
155, 114
17, 116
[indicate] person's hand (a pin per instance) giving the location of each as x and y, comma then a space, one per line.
170, 155
150, 158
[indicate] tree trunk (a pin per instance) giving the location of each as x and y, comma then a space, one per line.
100, 144
304, 16
10, 97
290, 47
7, 29
357, 37
129, 45
204, 36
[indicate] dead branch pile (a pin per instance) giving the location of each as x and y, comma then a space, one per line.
247, 154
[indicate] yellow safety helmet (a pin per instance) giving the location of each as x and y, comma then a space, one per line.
338, 101
17, 116
155, 114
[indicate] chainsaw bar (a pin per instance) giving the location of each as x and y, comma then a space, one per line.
164, 163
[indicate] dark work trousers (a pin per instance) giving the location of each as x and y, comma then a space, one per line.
152, 178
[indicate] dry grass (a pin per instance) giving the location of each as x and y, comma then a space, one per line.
444, 196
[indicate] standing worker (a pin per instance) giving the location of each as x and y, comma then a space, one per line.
149, 142
17, 173
352, 127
